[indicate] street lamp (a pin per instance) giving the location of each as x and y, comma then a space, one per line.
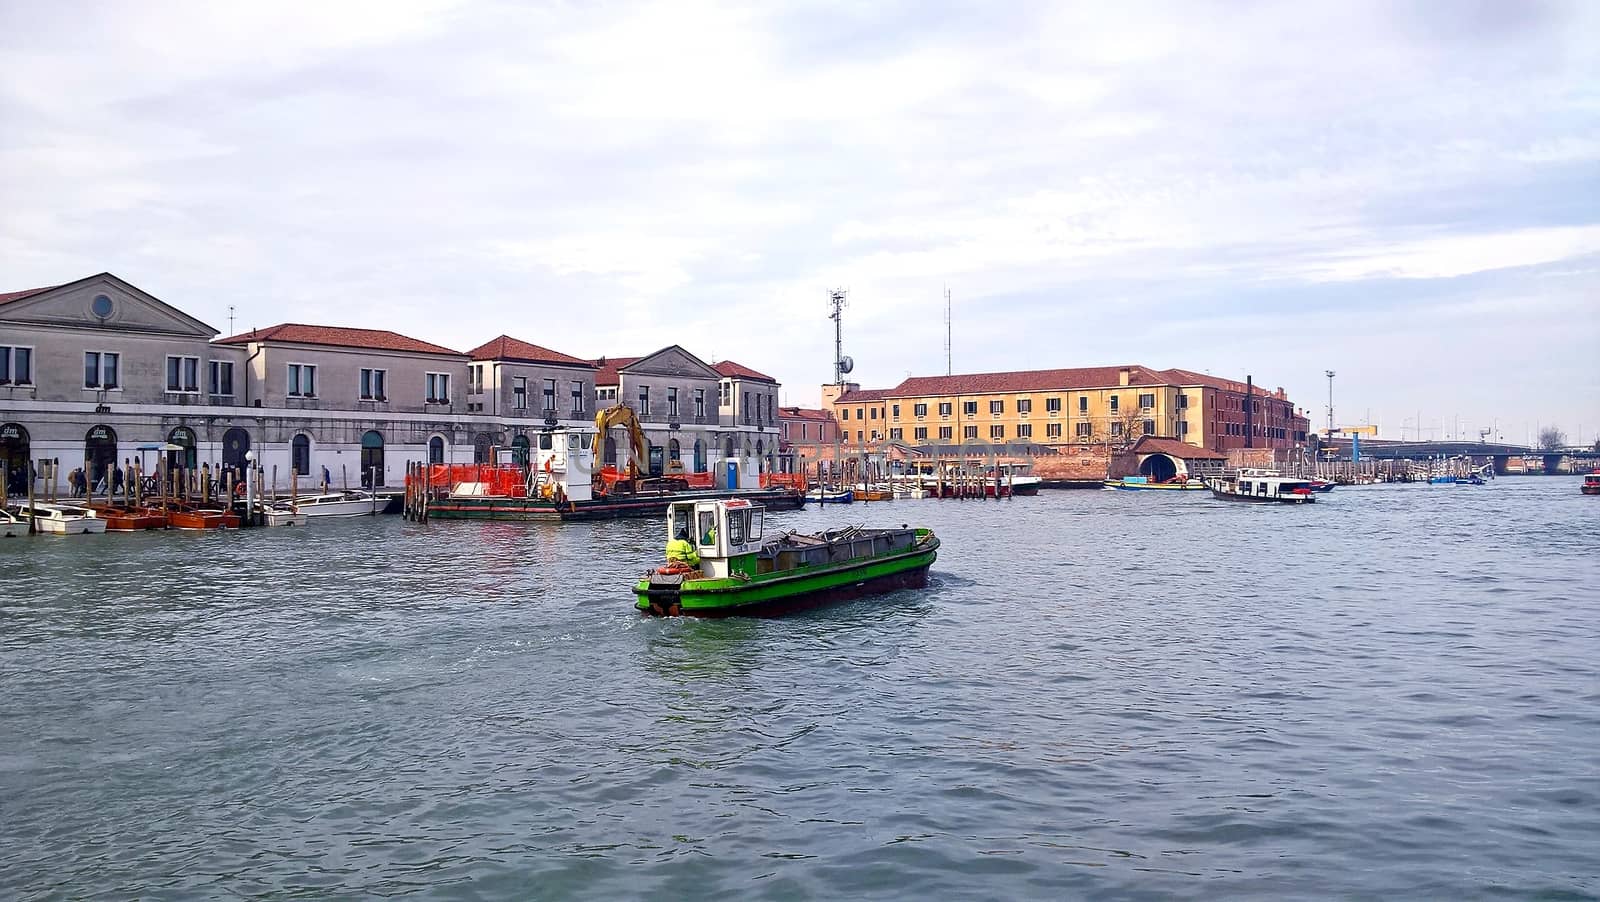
1330, 402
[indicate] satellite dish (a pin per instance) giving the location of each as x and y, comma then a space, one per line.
846, 364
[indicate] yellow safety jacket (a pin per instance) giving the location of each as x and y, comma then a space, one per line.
680, 551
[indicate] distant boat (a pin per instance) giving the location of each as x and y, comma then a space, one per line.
829, 496
1145, 483
1591, 483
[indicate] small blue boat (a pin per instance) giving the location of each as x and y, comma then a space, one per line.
819, 496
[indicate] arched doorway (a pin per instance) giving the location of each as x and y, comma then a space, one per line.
729, 451
235, 444
519, 450
699, 456
372, 459
611, 452
1158, 467
480, 448
187, 458
16, 451
761, 454
436, 450
674, 451
300, 454
100, 450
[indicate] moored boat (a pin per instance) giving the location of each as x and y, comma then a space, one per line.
720, 564
1264, 486
1145, 483
12, 525
61, 519
1591, 483
121, 518
281, 513
340, 504
831, 496
183, 515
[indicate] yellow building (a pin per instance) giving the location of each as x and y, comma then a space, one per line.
1089, 405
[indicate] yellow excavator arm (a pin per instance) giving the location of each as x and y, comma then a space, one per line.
621, 415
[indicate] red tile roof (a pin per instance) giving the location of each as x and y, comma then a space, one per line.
1026, 380
739, 371
339, 337
1150, 444
507, 348
804, 413
862, 395
608, 367
10, 296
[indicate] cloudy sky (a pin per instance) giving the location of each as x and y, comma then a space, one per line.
1406, 193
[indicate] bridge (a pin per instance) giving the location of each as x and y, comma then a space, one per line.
1497, 452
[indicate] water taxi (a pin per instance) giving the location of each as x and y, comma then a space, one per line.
61, 519
719, 563
341, 504
1591, 483
1266, 486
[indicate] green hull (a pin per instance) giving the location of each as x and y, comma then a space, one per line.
765, 594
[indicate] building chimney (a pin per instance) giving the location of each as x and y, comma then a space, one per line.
1249, 414
1123, 376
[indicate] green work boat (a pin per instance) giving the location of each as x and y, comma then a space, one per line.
719, 565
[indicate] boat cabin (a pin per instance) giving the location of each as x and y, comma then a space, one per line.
718, 530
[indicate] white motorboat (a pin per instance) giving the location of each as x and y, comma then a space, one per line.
1262, 486
61, 519
11, 524
340, 504
282, 513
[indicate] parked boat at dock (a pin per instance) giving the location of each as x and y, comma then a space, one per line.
61, 519
124, 518
720, 564
1263, 486
12, 525
353, 503
1145, 483
831, 496
183, 515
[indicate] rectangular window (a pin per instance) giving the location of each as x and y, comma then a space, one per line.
1183, 402
945, 433
844, 413
577, 398
1149, 427
919, 410
921, 433
861, 413
183, 374
1116, 428
724, 393
996, 408
744, 407
302, 380
100, 369
519, 392
944, 408
1026, 430
874, 413
700, 403
969, 431
222, 378
1083, 403
16, 365
998, 430
1147, 401
672, 401
1114, 401
372, 384
1052, 405
549, 395
895, 411
1025, 405
896, 435
644, 400
438, 388
1052, 430
1085, 430
859, 438
970, 408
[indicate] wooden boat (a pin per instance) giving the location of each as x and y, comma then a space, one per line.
1145, 483
719, 564
182, 515
1591, 483
120, 518
12, 525
61, 519
1265, 486
831, 496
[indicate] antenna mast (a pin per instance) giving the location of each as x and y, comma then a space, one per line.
230, 319
947, 332
842, 365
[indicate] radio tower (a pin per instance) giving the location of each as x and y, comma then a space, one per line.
842, 365
947, 332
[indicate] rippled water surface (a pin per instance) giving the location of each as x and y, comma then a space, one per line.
1391, 693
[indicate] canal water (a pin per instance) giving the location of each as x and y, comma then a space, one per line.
1393, 692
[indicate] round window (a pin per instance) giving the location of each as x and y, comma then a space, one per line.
101, 306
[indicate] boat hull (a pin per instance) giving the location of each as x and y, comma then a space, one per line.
120, 519
71, 526
1265, 499
615, 507
10, 529
784, 593
1121, 486
1590, 488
